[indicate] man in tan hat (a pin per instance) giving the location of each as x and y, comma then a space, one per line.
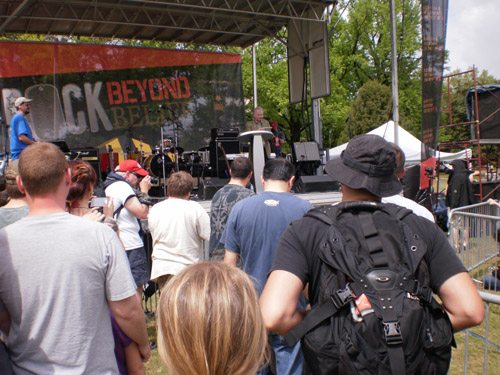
20, 132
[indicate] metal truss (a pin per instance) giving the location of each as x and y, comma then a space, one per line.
220, 22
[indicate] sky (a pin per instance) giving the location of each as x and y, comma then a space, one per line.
472, 35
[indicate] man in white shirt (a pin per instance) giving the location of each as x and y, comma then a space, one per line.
178, 227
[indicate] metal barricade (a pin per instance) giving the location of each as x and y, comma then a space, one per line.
474, 234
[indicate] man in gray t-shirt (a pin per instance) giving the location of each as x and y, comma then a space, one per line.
59, 277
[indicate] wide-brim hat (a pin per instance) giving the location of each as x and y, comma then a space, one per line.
368, 162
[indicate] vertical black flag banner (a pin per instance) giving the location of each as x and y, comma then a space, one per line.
434, 17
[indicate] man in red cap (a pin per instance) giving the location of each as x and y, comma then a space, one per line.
278, 139
130, 208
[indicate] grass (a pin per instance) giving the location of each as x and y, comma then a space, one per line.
475, 351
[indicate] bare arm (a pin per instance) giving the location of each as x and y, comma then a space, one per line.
23, 138
4, 321
138, 209
278, 302
133, 360
462, 301
130, 317
231, 258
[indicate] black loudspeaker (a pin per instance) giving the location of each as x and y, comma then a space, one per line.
218, 161
90, 155
307, 184
208, 188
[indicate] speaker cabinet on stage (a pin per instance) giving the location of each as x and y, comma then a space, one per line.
489, 187
218, 161
307, 184
90, 155
208, 188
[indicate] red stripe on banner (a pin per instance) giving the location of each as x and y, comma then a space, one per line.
31, 59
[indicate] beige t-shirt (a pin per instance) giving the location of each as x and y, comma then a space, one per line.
178, 228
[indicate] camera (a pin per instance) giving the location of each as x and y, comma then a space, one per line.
155, 180
99, 201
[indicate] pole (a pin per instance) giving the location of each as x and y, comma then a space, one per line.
254, 74
395, 91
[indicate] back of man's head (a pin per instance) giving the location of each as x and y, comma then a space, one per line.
179, 184
241, 168
42, 167
400, 160
278, 169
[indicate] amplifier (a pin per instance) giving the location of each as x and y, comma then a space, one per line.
224, 133
90, 155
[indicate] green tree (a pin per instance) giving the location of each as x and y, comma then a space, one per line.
370, 109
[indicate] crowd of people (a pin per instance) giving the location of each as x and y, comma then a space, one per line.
286, 290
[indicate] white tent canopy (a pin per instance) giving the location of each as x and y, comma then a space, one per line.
408, 143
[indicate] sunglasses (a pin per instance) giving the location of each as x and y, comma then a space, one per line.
137, 175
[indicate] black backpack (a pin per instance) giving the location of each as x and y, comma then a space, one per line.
376, 313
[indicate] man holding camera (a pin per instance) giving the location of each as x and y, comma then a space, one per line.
130, 208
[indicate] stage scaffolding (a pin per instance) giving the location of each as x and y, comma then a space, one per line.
481, 147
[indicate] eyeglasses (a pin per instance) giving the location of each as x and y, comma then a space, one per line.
137, 175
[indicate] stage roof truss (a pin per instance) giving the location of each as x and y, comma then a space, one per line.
239, 23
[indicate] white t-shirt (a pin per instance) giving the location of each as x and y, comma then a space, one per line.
177, 227
417, 209
57, 273
127, 222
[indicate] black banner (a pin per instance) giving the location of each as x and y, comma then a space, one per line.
88, 95
434, 17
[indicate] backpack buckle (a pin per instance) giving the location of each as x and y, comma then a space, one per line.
342, 296
422, 292
392, 332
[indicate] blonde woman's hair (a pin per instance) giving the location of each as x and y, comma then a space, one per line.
209, 322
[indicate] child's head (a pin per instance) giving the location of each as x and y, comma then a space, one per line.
210, 322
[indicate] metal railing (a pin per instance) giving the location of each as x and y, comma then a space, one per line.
474, 233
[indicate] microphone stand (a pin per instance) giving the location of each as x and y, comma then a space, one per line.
163, 166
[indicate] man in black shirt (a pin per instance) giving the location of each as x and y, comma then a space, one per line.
366, 173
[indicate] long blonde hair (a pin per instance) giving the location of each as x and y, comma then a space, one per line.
210, 322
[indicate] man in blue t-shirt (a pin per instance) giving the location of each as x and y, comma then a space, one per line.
20, 132
252, 233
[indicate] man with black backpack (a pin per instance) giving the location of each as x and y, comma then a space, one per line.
371, 270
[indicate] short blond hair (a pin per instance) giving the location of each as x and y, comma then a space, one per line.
210, 322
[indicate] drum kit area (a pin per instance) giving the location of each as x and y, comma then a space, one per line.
167, 159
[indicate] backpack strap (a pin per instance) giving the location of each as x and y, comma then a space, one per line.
391, 324
319, 313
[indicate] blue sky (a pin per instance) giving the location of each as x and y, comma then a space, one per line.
472, 35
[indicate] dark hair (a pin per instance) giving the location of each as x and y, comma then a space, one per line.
278, 169
179, 184
241, 168
41, 167
83, 178
11, 188
400, 160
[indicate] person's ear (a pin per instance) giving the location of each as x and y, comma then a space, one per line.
290, 182
262, 180
67, 177
20, 185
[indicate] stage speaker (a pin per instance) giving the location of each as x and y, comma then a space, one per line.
307, 184
90, 155
306, 151
218, 150
208, 188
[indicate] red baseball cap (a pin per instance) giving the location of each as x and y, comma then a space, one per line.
132, 166
274, 124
